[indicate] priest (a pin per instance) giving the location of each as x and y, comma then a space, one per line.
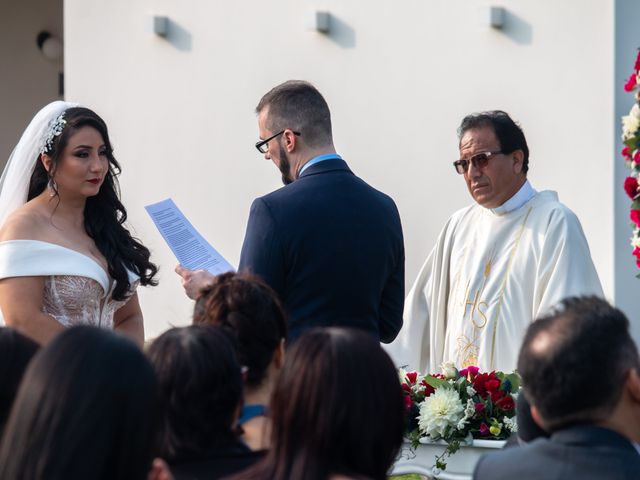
498, 264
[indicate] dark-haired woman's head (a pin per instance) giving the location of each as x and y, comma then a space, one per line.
86, 409
250, 311
200, 391
77, 162
337, 409
16, 351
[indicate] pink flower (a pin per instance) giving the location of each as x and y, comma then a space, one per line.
635, 217
631, 187
484, 430
631, 83
479, 407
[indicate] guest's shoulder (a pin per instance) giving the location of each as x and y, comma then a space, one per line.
504, 464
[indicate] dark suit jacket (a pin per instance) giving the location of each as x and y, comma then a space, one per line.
332, 247
581, 452
222, 462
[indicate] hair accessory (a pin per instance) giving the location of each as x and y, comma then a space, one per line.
55, 129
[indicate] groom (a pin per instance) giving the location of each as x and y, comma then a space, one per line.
328, 243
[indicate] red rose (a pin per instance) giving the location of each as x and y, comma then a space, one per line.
408, 404
506, 403
492, 385
636, 157
479, 407
635, 217
412, 376
631, 83
626, 152
637, 65
631, 187
428, 389
497, 395
406, 388
480, 381
636, 252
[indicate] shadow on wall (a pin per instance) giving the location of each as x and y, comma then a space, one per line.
341, 33
517, 28
178, 36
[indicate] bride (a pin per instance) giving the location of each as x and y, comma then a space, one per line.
65, 256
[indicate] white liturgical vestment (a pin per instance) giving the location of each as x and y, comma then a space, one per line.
490, 274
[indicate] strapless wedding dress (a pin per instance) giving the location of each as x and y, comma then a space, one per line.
77, 290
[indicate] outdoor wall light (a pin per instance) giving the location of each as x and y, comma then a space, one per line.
160, 25
50, 46
319, 21
493, 16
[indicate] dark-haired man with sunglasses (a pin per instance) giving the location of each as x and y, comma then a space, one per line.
498, 263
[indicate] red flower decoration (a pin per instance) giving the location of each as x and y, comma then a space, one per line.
412, 377
631, 187
637, 65
631, 83
506, 403
635, 217
484, 430
626, 152
479, 407
408, 404
428, 389
636, 157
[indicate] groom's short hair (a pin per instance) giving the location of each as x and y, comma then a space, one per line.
574, 361
298, 105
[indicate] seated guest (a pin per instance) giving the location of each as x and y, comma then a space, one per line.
201, 395
337, 411
579, 368
16, 351
249, 310
85, 409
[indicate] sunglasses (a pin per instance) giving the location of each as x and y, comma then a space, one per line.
479, 160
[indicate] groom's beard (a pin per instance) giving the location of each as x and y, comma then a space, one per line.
285, 167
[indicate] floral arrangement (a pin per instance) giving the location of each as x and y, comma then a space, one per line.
631, 154
458, 405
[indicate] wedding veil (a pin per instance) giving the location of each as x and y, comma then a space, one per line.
14, 183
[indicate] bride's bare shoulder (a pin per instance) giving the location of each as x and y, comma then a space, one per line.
26, 223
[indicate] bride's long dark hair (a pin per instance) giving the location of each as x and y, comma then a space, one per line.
104, 213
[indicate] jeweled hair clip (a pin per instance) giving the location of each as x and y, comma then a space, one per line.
56, 126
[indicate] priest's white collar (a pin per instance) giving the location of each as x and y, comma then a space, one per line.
526, 193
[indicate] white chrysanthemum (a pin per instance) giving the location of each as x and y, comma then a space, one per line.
630, 125
635, 111
511, 424
440, 410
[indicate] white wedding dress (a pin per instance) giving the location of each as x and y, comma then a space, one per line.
77, 290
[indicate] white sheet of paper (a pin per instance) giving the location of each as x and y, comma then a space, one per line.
186, 243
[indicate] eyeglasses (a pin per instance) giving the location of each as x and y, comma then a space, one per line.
263, 146
479, 160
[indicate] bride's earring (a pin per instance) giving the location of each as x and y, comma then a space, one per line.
53, 188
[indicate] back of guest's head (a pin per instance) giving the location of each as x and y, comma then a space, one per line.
251, 313
16, 351
509, 134
200, 390
298, 105
85, 409
584, 339
337, 408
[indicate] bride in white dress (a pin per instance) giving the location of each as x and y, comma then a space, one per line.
65, 256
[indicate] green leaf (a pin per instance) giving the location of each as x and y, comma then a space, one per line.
514, 378
437, 382
636, 204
